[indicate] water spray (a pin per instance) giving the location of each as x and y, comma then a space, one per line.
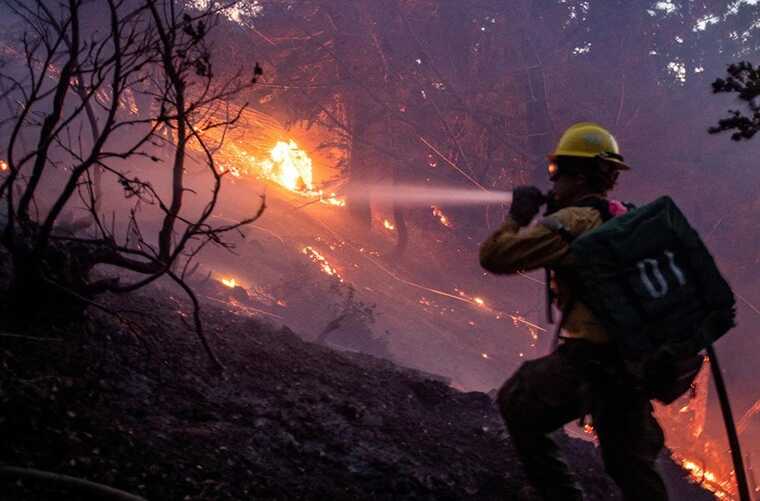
411, 195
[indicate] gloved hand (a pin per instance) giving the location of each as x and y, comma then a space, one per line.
551, 204
526, 200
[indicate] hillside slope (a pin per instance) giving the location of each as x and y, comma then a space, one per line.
130, 403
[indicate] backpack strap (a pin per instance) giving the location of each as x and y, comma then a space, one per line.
602, 206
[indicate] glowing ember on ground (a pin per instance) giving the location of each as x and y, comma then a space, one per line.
388, 225
230, 282
332, 200
318, 258
3, 165
484, 355
437, 212
479, 301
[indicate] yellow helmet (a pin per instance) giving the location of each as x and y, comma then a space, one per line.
589, 140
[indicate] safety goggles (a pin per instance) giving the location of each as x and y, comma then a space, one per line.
562, 165
554, 171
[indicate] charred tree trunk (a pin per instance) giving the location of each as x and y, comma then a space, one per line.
47, 287
346, 30
358, 172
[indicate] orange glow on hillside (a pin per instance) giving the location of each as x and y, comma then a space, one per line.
388, 225
230, 282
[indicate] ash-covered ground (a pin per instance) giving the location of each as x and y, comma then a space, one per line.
130, 402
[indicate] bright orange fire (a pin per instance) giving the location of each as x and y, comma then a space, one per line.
3, 165
709, 480
388, 225
230, 282
285, 163
289, 166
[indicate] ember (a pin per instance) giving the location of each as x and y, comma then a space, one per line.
3, 165
437, 212
388, 225
318, 258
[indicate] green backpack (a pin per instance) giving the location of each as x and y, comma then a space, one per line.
649, 279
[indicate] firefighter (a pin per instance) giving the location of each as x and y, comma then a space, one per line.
582, 376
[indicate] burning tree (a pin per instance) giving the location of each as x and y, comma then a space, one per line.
79, 67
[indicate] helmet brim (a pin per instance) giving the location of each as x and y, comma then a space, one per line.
618, 163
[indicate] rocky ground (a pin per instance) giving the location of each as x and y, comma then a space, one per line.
131, 402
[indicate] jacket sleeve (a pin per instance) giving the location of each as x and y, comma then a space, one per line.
512, 249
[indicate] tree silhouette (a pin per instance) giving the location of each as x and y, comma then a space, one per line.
66, 72
743, 79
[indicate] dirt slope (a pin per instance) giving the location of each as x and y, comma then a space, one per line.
132, 404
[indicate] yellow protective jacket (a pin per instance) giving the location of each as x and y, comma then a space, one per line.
512, 249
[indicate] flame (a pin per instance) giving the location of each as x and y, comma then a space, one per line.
388, 225
479, 301
230, 282
437, 212
708, 479
3, 165
318, 258
289, 166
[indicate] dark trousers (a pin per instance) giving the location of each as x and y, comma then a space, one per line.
582, 378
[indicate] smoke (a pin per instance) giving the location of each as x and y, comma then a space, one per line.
410, 195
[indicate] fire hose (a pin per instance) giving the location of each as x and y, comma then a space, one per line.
728, 419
